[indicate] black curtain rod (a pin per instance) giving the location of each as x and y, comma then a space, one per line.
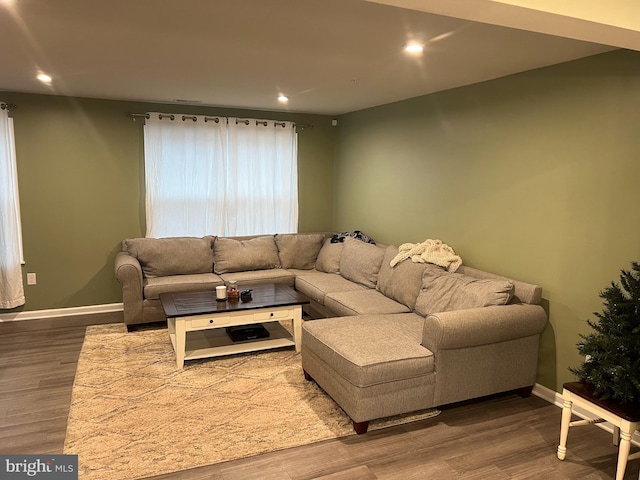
8, 106
172, 116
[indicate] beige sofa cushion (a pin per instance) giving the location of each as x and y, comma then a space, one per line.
443, 291
230, 255
316, 285
360, 302
180, 283
259, 277
404, 281
522, 292
329, 257
160, 257
299, 250
360, 262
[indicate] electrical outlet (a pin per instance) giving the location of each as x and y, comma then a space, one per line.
31, 278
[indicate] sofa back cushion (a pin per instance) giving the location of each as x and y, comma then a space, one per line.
443, 291
402, 282
328, 260
360, 262
299, 250
522, 292
160, 257
231, 255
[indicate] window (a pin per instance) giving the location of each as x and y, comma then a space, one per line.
219, 176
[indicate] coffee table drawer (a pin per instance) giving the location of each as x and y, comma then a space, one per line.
272, 315
209, 322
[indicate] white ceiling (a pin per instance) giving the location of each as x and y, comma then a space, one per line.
329, 56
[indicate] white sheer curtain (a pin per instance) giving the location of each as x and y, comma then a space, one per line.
11, 287
263, 180
234, 177
185, 172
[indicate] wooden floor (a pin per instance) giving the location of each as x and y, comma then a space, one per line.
495, 438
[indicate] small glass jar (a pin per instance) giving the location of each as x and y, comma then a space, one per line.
233, 294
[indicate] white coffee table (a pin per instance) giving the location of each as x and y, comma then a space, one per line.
197, 321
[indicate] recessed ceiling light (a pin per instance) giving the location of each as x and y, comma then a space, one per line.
414, 47
44, 78
283, 98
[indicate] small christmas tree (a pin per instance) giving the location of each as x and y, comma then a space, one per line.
612, 351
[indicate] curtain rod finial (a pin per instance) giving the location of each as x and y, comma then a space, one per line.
133, 116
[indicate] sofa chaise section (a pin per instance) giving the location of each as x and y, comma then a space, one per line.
373, 366
479, 331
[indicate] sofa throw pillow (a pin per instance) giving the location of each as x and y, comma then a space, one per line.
329, 257
160, 257
231, 255
299, 250
360, 262
402, 282
443, 291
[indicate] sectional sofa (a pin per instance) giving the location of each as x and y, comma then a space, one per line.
384, 340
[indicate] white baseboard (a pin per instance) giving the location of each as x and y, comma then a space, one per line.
556, 398
61, 312
547, 394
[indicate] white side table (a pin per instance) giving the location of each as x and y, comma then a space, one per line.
625, 421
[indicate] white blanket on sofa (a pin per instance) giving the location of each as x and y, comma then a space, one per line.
429, 251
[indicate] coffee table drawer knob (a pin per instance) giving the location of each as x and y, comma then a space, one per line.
211, 321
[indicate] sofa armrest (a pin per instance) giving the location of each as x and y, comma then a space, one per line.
128, 270
482, 351
482, 326
129, 273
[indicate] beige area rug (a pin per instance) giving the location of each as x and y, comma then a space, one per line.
133, 414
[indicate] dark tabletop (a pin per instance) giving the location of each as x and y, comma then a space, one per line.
271, 295
630, 413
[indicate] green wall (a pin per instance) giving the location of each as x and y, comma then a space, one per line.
81, 180
534, 176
